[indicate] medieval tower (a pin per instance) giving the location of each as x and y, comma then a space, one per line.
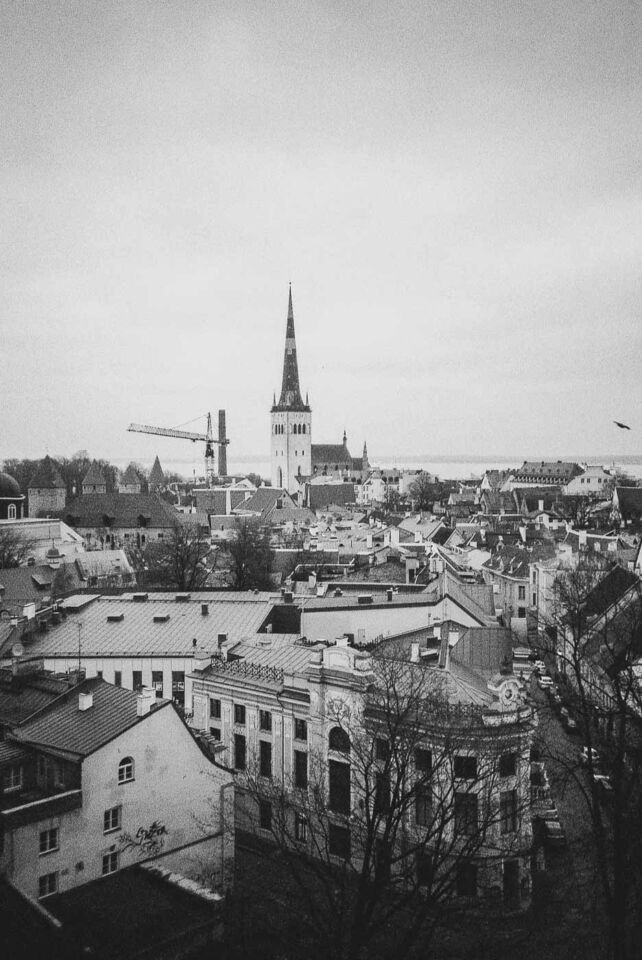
291, 421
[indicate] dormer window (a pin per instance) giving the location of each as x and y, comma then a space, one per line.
125, 770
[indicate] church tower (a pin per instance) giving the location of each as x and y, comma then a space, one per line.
291, 421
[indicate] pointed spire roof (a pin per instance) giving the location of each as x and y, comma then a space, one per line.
130, 475
94, 475
156, 477
47, 476
290, 398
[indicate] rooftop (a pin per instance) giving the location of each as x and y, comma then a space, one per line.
154, 625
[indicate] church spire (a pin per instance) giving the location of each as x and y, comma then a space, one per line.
290, 398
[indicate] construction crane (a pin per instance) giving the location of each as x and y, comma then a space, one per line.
207, 438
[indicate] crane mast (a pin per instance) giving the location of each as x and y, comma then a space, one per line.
207, 438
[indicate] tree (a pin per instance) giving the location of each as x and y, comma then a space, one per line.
424, 491
413, 797
251, 556
14, 547
182, 561
595, 630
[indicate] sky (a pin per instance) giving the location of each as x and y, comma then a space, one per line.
452, 188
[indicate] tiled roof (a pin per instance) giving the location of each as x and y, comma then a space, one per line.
63, 726
331, 453
94, 475
153, 627
629, 498
288, 514
22, 700
130, 476
47, 476
90, 509
483, 649
264, 500
613, 586
548, 469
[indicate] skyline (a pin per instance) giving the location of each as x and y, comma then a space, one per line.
454, 193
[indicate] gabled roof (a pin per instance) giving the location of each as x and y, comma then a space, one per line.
124, 510
629, 499
22, 699
264, 500
64, 727
130, 476
47, 476
609, 590
331, 453
94, 475
550, 470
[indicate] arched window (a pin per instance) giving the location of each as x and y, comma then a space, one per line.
339, 740
11, 513
304, 428
125, 770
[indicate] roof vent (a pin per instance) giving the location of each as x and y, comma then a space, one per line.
115, 617
85, 701
139, 597
161, 617
364, 598
287, 596
182, 597
205, 609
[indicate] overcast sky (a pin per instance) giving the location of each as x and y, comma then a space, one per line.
452, 188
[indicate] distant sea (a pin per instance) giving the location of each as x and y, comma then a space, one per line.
444, 467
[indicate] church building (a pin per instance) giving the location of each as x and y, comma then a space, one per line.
294, 458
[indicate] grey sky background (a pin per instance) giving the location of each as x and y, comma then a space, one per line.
452, 188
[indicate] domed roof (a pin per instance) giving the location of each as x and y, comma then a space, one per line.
9, 488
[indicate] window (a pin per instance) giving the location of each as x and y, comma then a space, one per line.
381, 748
508, 811
300, 827
466, 880
157, 682
265, 814
110, 862
521, 613
265, 720
301, 769
215, 732
507, 764
239, 751
466, 813
111, 819
339, 841
215, 709
137, 679
125, 770
521, 593
178, 686
47, 884
339, 783
265, 758
466, 768
423, 806
534, 599
11, 511
424, 868
382, 793
118, 678
300, 730
12, 778
239, 714
423, 761
49, 840
339, 740
99, 674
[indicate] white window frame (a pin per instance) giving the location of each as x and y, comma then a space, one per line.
51, 836
51, 882
112, 819
12, 778
126, 770
110, 862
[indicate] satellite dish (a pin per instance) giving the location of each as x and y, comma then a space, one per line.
17, 650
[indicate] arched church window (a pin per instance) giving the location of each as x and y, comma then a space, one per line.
11, 512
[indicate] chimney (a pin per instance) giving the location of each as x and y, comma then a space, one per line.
369, 541
144, 700
414, 653
540, 504
201, 660
389, 594
222, 638
205, 609
85, 701
222, 446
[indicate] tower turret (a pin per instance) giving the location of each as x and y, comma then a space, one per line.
291, 420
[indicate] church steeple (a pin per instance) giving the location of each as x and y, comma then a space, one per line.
290, 398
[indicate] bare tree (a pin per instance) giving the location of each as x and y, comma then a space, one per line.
251, 556
413, 799
596, 632
14, 547
182, 561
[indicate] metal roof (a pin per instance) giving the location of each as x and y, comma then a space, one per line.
122, 626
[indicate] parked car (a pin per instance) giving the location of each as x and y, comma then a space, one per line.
554, 834
545, 682
584, 756
540, 666
604, 786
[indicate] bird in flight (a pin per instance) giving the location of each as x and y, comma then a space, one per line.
622, 426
